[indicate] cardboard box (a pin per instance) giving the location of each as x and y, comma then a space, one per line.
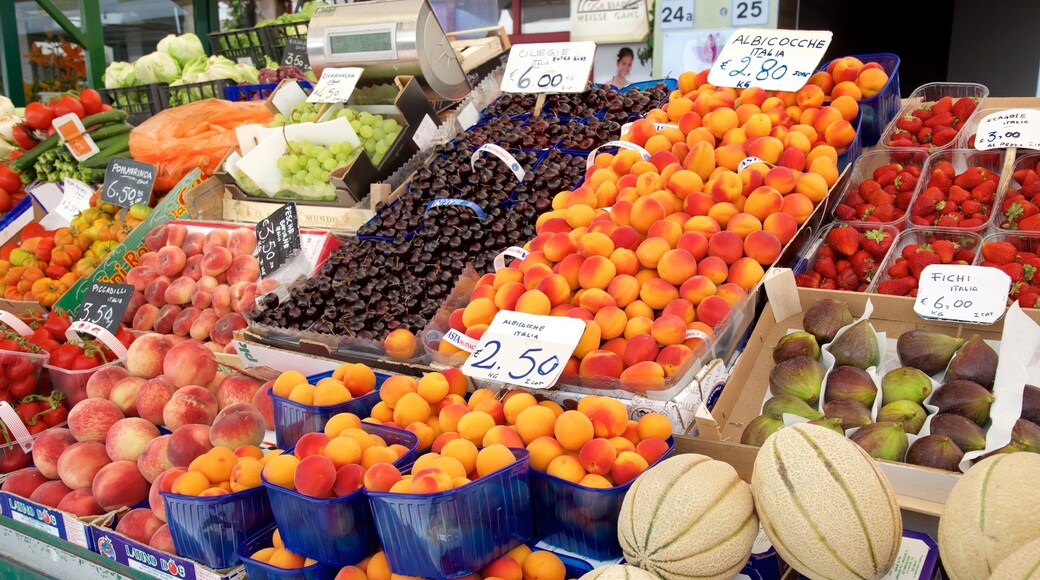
55, 522
151, 562
252, 209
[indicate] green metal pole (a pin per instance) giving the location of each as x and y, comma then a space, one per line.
90, 14
11, 64
207, 20
59, 17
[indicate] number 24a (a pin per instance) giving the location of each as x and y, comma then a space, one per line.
752, 9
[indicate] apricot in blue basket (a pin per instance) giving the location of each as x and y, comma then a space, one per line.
340, 422
286, 382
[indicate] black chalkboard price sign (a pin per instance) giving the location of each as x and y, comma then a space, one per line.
277, 238
295, 53
105, 305
128, 182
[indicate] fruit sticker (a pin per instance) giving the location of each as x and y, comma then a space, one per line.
1010, 128
975, 294
779, 60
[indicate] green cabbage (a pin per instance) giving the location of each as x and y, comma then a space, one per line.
120, 75
183, 48
157, 67
246, 74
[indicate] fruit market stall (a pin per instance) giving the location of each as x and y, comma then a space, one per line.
373, 321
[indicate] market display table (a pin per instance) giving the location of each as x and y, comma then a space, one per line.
30, 553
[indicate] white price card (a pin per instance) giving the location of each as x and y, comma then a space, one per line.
550, 67
672, 14
335, 85
526, 350
781, 60
749, 13
951, 292
1010, 128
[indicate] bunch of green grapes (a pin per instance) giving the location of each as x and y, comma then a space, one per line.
303, 112
376, 132
306, 166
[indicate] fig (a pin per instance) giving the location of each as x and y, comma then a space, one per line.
825, 318
851, 413
848, 382
795, 344
857, 346
961, 430
935, 451
908, 414
832, 424
976, 361
1031, 404
1027, 435
927, 351
882, 440
905, 384
800, 376
759, 429
965, 398
781, 404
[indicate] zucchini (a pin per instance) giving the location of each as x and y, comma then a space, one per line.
113, 116
110, 130
25, 161
108, 142
117, 148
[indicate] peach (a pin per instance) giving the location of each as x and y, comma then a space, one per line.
80, 502
127, 438
161, 483
91, 419
164, 325
712, 310
217, 261
154, 458
186, 443
101, 381
601, 362
236, 388
170, 261
145, 317
25, 481
236, 425
48, 447
162, 540
597, 456
745, 272
241, 241
193, 267
157, 238
315, 476
243, 297
202, 293
534, 422
50, 493
144, 359
243, 268
155, 291
221, 301
190, 405
180, 291
119, 484
139, 524
189, 363
124, 394
194, 243
566, 467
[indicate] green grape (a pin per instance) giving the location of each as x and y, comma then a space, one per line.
356, 125
366, 131
391, 126
334, 149
330, 164
366, 118
382, 147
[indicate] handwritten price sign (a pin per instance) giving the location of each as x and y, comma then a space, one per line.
781, 60
1010, 128
277, 238
975, 294
104, 305
335, 85
551, 67
524, 349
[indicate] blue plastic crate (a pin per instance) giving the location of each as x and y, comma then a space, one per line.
879, 110
257, 570
856, 147
243, 92
580, 519
337, 531
294, 420
457, 532
210, 529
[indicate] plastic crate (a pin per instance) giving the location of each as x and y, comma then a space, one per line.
245, 46
293, 420
807, 258
210, 529
864, 169
455, 533
257, 570
73, 383
580, 519
879, 110
274, 37
247, 92
967, 241
852, 153
139, 102
962, 160
1030, 161
174, 96
931, 92
1023, 241
340, 530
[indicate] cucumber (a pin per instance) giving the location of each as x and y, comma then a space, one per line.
110, 130
108, 142
113, 116
119, 146
25, 161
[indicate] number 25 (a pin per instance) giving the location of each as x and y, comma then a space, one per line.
755, 7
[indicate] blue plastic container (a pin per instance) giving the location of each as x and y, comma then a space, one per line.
210, 529
455, 533
580, 519
879, 110
244, 92
294, 420
256, 570
337, 531
856, 147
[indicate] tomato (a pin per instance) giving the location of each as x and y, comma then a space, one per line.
40, 116
91, 100
22, 387
26, 411
65, 105
56, 324
82, 362
37, 428
10, 344
13, 459
63, 356
55, 416
124, 336
49, 345
9, 180
106, 108
39, 335
22, 138
19, 367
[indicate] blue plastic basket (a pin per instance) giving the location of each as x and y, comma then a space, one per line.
856, 147
580, 519
256, 570
244, 92
337, 531
455, 533
210, 529
879, 110
293, 420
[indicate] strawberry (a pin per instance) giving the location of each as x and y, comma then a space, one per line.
1029, 300
999, 252
924, 135
945, 249
877, 242
971, 207
972, 177
887, 212
984, 192
825, 267
972, 223
911, 249
948, 220
900, 269
897, 286
922, 113
845, 213
909, 123
959, 194
964, 256
940, 179
843, 240
807, 280
905, 181
1015, 270
1028, 270
943, 136
940, 120
963, 108
825, 252
921, 260
903, 199
843, 265
828, 284
923, 206
847, 280
943, 105
879, 197
865, 270
947, 169
1030, 224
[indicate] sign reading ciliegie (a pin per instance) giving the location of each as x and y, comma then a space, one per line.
781, 60
551, 67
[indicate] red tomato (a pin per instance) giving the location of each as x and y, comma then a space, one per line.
26, 411
65, 105
57, 324
124, 336
55, 416
49, 345
10, 344
39, 116
19, 367
91, 101
37, 428
63, 356
22, 138
13, 459
22, 387
9, 180
83, 361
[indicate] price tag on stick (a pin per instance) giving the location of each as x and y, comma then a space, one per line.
526, 350
974, 294
277, 238
104, 305
295, 53
128, 182
550, 67
1010, 128
781, 60
335, 85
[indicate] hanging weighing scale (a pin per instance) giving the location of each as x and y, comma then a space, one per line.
387, 38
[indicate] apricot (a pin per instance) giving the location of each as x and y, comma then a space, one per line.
474, 425
628, 466
396, 387
601, 362
479, 311
762, 246
782, 225
712, 310
505, 297
542, 565
799, 206
573, 429
280, 470
411, 408
566, 467
657, 293
375, 455
638, 309
493, 458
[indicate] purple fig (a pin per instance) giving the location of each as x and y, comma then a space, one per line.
935, 451
848, 382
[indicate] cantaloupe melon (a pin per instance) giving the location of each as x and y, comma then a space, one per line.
688, 517
1023, 564
991, 512
825, 505
619, 572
